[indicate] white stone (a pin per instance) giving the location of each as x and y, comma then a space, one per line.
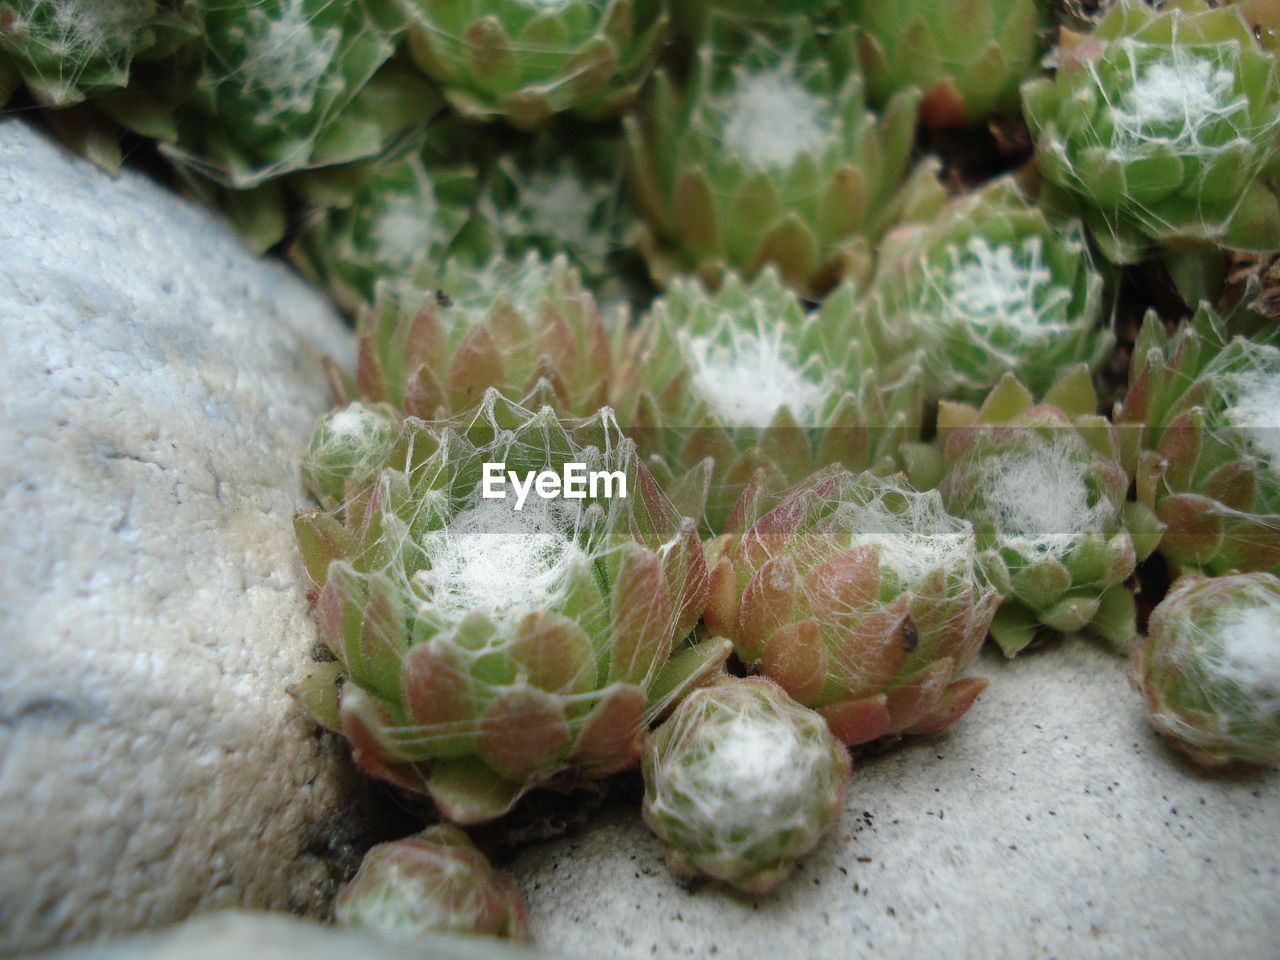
1049, 821
157, 386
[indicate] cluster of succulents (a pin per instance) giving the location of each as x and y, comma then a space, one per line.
853, 372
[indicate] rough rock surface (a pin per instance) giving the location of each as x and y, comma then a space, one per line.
157, 383
1049, 822
274, 936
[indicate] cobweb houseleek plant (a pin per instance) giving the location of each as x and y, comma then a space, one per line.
1201, 425
768, 390
768, 155
524, 61
1045, 490
1160, 128
990, 286
487, 645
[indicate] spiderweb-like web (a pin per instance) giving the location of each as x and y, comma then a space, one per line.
746, 366
1038, 497
286, 69
65, 40
493, 625
1172, 115
1214, 664
743, 779
1241, 434
890, 581
982, 309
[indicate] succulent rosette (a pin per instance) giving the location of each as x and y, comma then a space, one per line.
489, 641
860, 597
748, 377
968, 58
768, 155
741, 782
276, 86
524, 62
515, 326
1201, 426
435, 881
1161, 126
1045, 490
987, 288
393, 218
65, 50
1209, 670
556, 194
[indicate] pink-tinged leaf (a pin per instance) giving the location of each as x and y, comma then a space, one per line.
438, 694
1234, 484
842, 586
553, 653
853, 722
423, 395
1193, 528
522, 731
468, 792
721, 613
640, 618
951, 706
366, 723
766, 605
321, 540
555, 341
913, 701
942, 106
796, 660
685, 571
1179, 448
476, 366
871, 654
611, 734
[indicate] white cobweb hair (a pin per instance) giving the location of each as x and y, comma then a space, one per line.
1038, 495
1226, 647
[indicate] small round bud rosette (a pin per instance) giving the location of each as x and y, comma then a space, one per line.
1209, 671
741, 782
1160, 127
488, 644
517, 326
988, 287
1201, 428
747, 377
967, 58
433, 882
524, 62
860, 597
768, 155
347, 451
1045, 491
